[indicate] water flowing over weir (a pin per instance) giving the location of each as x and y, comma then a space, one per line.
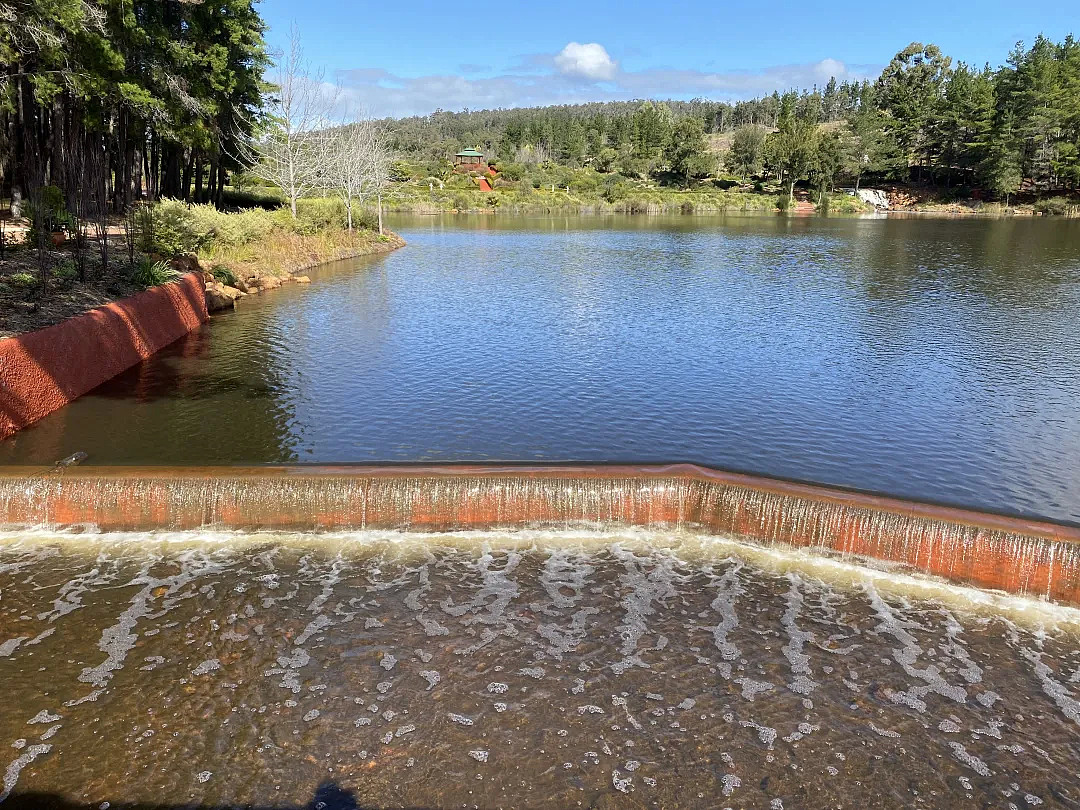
987, 550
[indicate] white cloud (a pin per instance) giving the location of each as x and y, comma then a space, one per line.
589, 61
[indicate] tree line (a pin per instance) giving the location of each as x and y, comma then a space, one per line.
924, 119
114, 100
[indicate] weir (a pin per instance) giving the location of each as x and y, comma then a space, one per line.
991, 551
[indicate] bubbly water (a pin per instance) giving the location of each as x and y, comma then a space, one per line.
617, 668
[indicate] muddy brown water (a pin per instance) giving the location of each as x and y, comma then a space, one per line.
530, 669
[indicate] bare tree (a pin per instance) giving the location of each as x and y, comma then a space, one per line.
291, 153
381, 158
357, 164
347, 164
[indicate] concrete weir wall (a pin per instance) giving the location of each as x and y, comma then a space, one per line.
44, 370
1032, 557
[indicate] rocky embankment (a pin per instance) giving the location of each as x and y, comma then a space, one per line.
221, 296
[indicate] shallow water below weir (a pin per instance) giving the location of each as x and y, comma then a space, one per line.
527, 669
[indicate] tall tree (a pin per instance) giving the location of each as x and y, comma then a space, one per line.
747, 154
910, 91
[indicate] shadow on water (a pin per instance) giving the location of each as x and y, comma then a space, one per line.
328, 796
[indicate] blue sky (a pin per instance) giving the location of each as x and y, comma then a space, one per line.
413, 57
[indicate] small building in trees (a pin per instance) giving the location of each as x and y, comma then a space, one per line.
469, 159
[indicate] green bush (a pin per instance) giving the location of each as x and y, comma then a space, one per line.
1055, 206
783, 202
170, 229
22, 280
65, 273
244, 227
317, 215
47, 213
223, 274
151, 274
365, 218
510, 171
400, 171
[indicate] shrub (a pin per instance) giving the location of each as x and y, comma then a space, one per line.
47, 213
22, 280
151, 274
65, 273
223, 274
212, 226
1055, 206
365, 218
783, 202
317, 215
400, 171
510, 171
170, 230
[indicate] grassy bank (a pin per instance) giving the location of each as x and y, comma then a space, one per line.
42, 283
258, 242
410, 199
554, 189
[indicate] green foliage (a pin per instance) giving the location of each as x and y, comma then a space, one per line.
792, 149
1056, 206
168, 228
400, 171
687, 151
319, 214
22, 281
223, 274
783, 202
65, 274
510, 171
47, 213
747, 155
188, 75
147, 273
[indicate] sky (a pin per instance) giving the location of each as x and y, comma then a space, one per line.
411, 58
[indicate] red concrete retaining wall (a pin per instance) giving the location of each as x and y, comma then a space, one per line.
45, 370
992, 551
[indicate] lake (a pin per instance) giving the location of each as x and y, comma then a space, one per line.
936, 359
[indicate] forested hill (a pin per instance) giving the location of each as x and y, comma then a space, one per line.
925, 117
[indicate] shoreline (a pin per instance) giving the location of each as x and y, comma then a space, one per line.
283, 262
587, 211
21, 316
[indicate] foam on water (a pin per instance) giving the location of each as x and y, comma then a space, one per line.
616, 653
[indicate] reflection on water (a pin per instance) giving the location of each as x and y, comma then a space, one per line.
929, 358
520, 670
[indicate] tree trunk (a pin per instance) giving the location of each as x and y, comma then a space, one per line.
185, 181
380, 213
197, 193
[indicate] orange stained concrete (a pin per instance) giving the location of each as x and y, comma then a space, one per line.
46, 369
1015, 554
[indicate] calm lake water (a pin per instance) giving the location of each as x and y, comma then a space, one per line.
931, 358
